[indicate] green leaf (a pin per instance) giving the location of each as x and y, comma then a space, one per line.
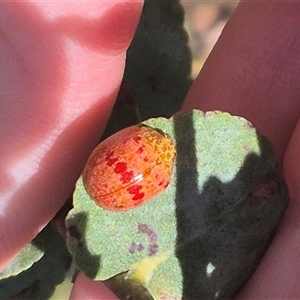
30, 254
40, 280
125, 111
204, 235
158, 64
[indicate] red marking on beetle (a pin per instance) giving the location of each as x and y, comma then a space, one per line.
127, 176
110, 159
140, 150
137, 139
135, 190
120, 167
146, 159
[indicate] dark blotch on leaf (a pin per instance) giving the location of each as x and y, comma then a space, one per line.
152, 249
134, 247
152, 238
268, 186
74, 232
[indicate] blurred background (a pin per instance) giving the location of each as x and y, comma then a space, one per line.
204, 21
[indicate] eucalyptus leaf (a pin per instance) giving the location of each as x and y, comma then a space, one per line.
124, 113
30, 254
40, 280
158, 64
204, 235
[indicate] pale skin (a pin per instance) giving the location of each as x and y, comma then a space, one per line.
53, 105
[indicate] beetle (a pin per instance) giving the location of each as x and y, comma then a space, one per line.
129, 168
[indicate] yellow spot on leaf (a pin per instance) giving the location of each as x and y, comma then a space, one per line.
142, 271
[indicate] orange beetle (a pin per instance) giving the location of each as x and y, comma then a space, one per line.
129, 168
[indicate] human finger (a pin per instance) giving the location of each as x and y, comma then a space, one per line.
85, 288
253, 70
64, 64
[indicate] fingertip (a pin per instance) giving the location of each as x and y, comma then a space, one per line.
109, 29
85, 288
292, 163
118, 27
253, 70
60, 111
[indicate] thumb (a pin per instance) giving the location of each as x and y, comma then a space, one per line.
64, 63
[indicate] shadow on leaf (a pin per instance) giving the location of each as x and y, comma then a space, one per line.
85, 260
39, 281
224, 229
